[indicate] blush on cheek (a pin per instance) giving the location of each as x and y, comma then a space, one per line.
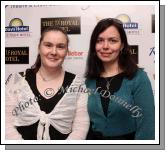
97, 50
63, 55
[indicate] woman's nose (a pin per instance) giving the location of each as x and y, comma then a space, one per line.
105, 45
54, 50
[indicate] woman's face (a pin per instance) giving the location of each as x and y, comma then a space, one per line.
53, 49
108, 45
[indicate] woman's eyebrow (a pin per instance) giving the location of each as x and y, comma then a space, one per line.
112, 37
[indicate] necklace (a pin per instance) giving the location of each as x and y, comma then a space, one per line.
108, 83
44, 79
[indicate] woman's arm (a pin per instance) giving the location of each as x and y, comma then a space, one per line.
144, 99
10, 104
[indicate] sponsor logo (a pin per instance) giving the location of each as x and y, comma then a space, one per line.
16, 29
76, 55
152, 52
72, 25
134, 52
17, 55
127, 24
16, 25
131, 28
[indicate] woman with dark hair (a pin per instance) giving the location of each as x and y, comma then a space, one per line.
121, 102
39, 103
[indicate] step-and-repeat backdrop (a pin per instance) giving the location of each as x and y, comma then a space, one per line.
23, 25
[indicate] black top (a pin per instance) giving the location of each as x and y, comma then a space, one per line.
115, 84
46, 105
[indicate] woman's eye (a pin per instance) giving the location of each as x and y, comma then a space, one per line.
113, 41
99, 40
48, 45
61, 46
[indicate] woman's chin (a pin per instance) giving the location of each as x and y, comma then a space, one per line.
53, 65
106, 60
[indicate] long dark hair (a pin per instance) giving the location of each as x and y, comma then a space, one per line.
94, 64
37, 64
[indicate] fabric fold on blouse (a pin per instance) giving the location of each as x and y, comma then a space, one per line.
23, 107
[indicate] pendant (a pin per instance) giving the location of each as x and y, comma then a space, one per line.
108, 85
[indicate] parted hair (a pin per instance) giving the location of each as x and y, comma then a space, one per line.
37, 64
94, 64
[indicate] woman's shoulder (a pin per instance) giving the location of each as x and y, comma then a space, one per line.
141, 73
141, 76
16, 76
22, 73
79, 78
70, 74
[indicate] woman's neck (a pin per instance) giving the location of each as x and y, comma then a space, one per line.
50, 73
111, 69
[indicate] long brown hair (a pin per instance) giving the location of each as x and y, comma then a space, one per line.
94, 64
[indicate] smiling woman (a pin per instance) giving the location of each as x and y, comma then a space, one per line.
55, 115
126, 111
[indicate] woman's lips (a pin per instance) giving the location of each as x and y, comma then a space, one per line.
105, 54
52, 59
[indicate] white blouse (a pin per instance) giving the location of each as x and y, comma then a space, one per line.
68, 116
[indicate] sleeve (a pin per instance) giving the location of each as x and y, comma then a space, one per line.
10, 110
81, 121
144, 99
